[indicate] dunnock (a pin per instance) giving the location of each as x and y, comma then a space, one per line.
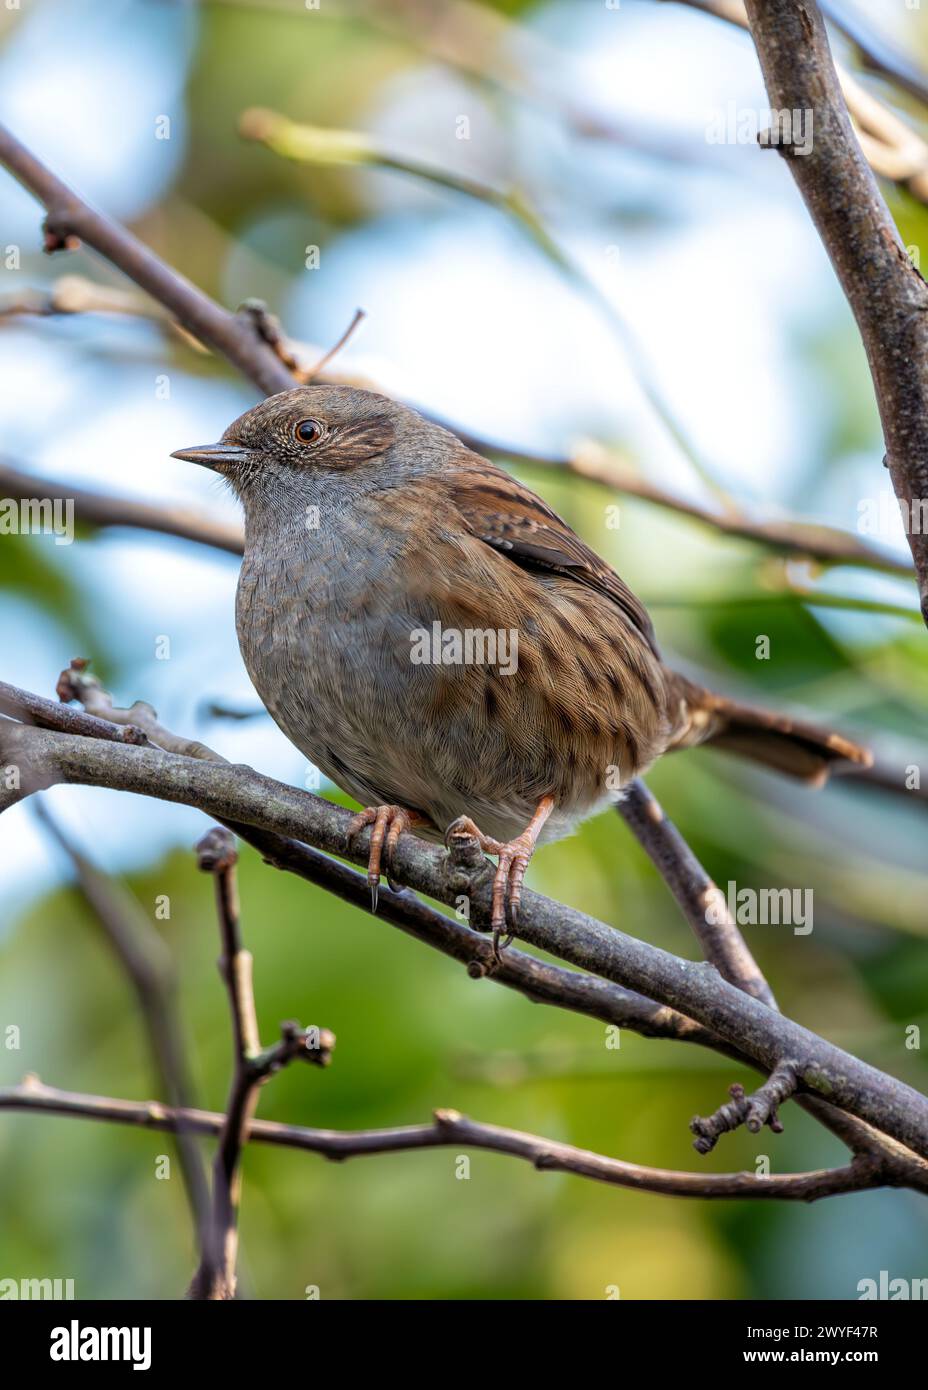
442, 645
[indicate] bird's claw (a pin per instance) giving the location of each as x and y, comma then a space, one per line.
513, 860
388, 824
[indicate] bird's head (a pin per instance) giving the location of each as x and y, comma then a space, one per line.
321, 443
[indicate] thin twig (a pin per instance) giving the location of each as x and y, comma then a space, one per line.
24, 706
753, 1111
76, 294
723, 945
104, 510
702, 903
452, 1129
216, 1277
77, 683
333, 351
70, 220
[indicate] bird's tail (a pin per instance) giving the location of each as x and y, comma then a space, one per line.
778, 741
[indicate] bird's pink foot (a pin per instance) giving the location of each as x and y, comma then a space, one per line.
389, 823
512, 860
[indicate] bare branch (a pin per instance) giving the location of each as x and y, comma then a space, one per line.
753, 1111
77, 683
450, 1129
828, 545
540, 982
877, 52
102, 509
723, 945
70, 220
76, 294
537, 980
888, 297
893, 149
240, 795
23, 705
216, 1278
316, 371
216, 854
702, 903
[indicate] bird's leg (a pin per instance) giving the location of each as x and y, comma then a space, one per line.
513, 858
388, 823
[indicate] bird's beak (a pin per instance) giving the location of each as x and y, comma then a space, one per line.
213, 456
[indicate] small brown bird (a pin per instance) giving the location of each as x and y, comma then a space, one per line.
434, 638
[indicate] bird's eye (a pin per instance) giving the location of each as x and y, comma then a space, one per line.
309, 431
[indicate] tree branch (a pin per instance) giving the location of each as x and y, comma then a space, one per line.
450, 1129
893, 149
723, 945
888, 297
216, 1277
69, 218
877, 52
538, 981
702, 903
240, 795
753, 1111
100, 509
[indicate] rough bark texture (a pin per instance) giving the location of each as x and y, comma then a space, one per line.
887, 295
239, 794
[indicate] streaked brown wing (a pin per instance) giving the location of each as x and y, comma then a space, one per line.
515, 521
